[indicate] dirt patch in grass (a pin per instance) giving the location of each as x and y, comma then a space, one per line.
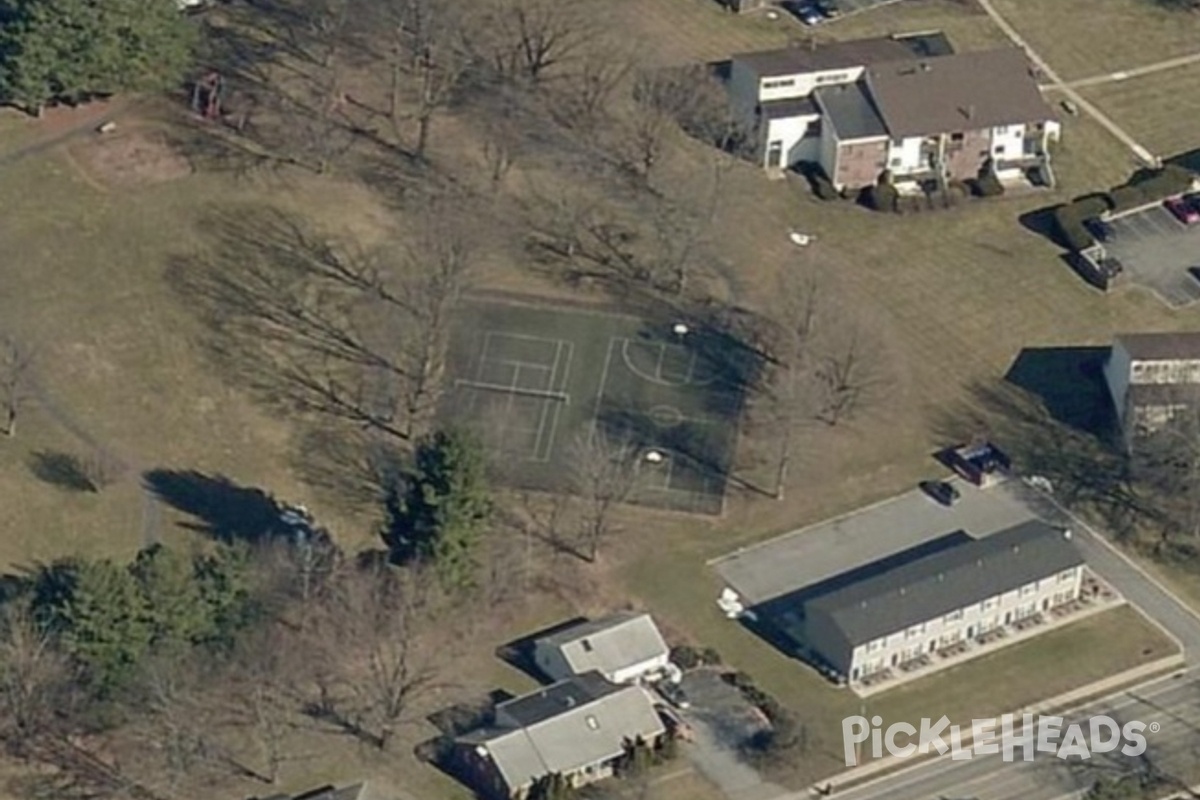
129, 157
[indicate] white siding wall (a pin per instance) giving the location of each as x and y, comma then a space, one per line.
1180, 371
978, 618
904, 156
786, 87
634, 672
828, 149
1116, 375
790, 131
1009, 137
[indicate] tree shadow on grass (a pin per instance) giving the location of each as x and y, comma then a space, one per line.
64, 470
226, 511
1085, 468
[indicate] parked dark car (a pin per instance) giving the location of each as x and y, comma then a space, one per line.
673, 693
804, 10
941, 491
1100, 229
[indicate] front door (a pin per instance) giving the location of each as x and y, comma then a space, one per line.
774, 154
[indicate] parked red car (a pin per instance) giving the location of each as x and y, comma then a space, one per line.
1185, 212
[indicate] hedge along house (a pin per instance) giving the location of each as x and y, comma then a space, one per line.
915, 118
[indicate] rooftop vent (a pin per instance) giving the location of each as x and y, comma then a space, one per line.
570, 701
925, 67
941, 577
1016, 548
903, 589
1066, 533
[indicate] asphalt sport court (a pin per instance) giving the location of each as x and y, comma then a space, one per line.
533, 382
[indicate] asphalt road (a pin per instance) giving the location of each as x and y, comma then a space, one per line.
1174, 704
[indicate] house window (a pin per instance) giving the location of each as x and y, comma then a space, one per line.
1066, 575
779, 83
956, 137
1028, 589
895, 162
875, 645
587, 645
840, 77
953, 616
897, 143
998, 150
593, 723
916, 630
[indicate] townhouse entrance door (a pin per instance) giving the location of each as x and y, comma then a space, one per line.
774, 154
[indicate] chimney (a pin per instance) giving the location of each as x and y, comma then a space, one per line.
971, 112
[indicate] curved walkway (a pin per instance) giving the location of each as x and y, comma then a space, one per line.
1143, 155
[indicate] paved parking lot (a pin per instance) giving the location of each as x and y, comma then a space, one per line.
1158, 252
808, 556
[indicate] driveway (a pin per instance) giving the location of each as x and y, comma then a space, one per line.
1158, 252
722, 721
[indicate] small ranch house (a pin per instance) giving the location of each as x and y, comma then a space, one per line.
578, 728
1152, 377
624, 648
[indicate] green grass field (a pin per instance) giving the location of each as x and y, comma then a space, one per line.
1082, 38
1160, 110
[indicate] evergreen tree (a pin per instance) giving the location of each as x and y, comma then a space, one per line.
176, 611
225, 587
438, 513
103, 622
73, 49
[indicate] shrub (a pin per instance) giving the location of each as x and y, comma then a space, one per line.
1070, 229
740, 679
881, 197
823, 187
710, 656
988, 185
685, 657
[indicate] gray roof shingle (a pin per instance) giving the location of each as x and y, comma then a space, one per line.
591, 728
961, 92
849, 109
610, 643
1161, 346
929, 586
820, 57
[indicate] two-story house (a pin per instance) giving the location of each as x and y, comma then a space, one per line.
772, 91
1152, 377
872, 106
934, 596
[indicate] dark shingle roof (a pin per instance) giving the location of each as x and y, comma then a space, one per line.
966, 91
557, 698
932, 585
817, 58
1160, 346
850, 110
793, 107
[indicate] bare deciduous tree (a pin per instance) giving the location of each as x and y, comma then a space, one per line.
34, 676
16, 379
603, 473
844, 373
532, 39
376, 660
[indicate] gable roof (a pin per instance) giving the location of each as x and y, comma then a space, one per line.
803, 58
965, 91
1160, 346
851, 112
610, 643
575, 736
930, 585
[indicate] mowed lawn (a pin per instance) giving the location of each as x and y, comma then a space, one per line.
1082, 38
119, 357
1160, 110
